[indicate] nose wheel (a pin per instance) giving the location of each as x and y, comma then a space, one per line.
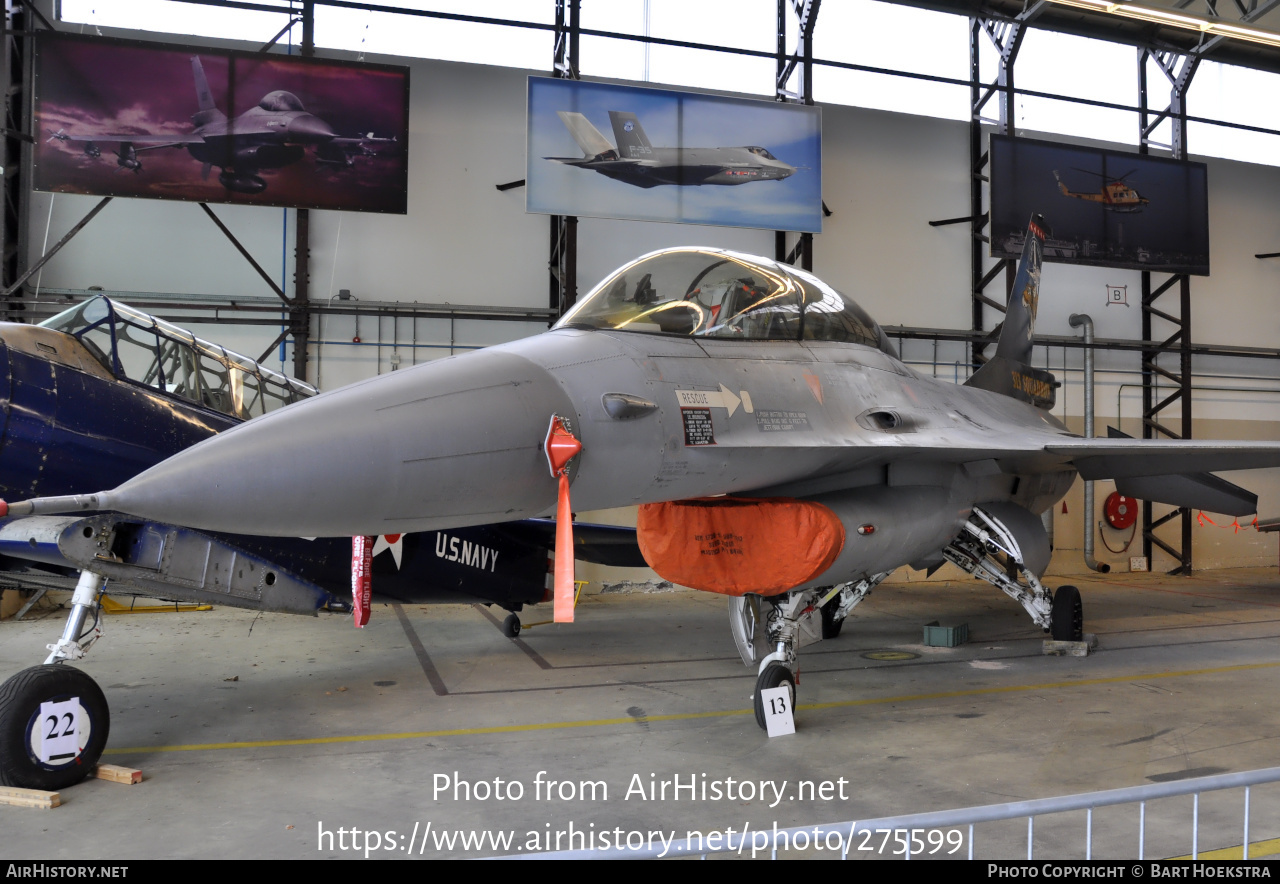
775, 675
54, 718
53, 727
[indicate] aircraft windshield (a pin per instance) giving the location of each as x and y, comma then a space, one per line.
715, 294
141, 348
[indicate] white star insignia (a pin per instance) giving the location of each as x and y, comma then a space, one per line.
393, 542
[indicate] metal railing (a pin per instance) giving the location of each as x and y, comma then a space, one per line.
842, 835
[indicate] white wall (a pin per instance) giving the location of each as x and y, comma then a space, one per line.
885, 176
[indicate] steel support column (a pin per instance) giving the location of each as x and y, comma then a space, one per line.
801, 61
300, 308
563, 263
15, 161
1158, 403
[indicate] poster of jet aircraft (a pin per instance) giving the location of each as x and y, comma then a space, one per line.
121, 118
656, 155
1110, 209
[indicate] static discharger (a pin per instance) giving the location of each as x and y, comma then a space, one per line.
562, 447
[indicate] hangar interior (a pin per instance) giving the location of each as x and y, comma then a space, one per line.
467, 267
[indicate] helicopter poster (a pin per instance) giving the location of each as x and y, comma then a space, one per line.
1105, 208
125, 118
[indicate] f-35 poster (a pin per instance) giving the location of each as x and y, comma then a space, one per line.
655, 155
1103, 207
123, 118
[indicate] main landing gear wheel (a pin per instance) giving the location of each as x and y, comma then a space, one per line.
774, 675
53, 727
511, 626
1067, 622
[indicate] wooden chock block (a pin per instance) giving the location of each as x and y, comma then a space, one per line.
117, 774
29, 798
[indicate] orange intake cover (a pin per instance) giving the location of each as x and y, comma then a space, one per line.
739, 545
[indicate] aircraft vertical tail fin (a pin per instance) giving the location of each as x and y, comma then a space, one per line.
632, 142
1009, 371
203, 96
207, 110
593, 144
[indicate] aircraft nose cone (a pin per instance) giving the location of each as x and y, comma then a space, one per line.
307, 127
446, 444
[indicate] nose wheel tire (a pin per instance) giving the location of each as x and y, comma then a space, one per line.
1067, 620
53, 727
511, 626
774, 675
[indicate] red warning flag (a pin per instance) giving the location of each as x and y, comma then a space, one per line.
561, 447
361, 578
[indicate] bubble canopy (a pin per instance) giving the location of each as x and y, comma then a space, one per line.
710, 293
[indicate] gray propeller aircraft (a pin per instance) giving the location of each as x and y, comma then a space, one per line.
779, 450
271, 135
637, 162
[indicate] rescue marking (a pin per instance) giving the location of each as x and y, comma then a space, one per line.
698, 429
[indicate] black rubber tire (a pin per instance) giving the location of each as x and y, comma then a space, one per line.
774, 675
511, 626
830, 625
20, 699
1067, 618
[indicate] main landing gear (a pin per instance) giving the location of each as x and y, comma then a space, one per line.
54, 719
988, 550
770, 631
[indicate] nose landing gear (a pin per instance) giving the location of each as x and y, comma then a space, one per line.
54, 719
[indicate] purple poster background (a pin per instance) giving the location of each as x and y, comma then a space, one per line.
334, 136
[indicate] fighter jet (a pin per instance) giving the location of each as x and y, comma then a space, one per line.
637, 162
779, 450
271, 135
101, 392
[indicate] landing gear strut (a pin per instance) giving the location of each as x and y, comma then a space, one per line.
54, 719
989, 551
770, 631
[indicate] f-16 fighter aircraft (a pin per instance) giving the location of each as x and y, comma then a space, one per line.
635, 161
103, 391
780, 451
271, 135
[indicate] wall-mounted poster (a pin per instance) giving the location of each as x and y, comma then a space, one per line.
123, 118
1106, 208
656, 155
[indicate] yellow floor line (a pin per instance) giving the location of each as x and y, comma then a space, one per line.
1257, 850
684, 716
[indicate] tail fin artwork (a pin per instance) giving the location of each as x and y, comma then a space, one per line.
633, 144
593, 144
208, 111
1009, 372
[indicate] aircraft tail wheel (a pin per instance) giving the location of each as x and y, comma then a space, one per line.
53, 727
830, 624
774, 675
511, 626
1067, 616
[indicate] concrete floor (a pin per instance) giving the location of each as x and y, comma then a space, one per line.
255, 734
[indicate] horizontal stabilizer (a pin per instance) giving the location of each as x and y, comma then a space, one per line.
1017, 380
1200, 491
1123, 458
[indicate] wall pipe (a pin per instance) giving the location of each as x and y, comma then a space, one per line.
1077, 320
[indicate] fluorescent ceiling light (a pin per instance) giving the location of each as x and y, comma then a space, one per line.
1214, 27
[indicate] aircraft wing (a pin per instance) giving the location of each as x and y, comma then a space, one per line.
150, 140
1124, 458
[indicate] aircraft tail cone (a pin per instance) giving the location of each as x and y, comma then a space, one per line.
562, 447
